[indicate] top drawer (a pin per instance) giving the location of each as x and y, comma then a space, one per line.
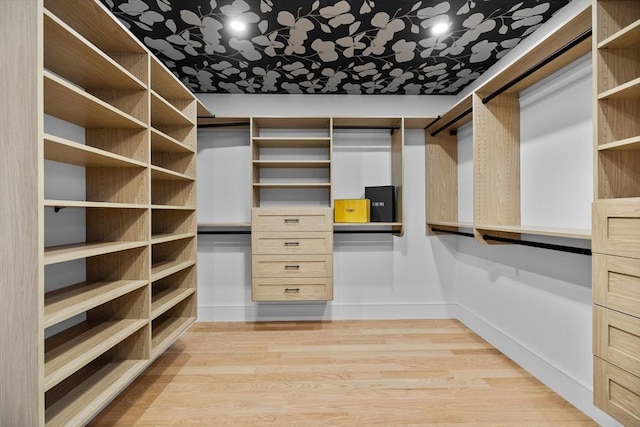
292, 219
616, 227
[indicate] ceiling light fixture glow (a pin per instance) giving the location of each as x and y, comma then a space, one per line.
237, 26
440, 28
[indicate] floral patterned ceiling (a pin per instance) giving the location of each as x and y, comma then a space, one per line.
331, 46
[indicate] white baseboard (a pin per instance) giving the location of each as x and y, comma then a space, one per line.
573, 391
323, 311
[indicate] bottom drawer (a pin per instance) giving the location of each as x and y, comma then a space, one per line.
289, 289
617, 392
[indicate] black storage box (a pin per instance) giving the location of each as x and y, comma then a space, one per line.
383, 203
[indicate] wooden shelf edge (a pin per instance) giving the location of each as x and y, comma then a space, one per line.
72, 300
169, 141
292, 185
632, 143
76, 353
164, 107
225, 224
167, 268
162, 77
628, 90
627, 37
173, 207
302, 164
84, 204
450, 224
170, 237
57, 254
539, 231
367, 224
169, 299
66, 151
164, 174
169, 332
87, 399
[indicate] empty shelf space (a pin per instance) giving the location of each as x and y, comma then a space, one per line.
167, 268
69, 54
83, 204
629, 90
292, 142
56, 254
67, 102
163, 143
292, 163
626, 38
168, 299
169, 237
167, 332
624, 144
65, 151
166, 84
291, 185
73, 354
569, 233
164, 113
163, 174
82, 403
67, 302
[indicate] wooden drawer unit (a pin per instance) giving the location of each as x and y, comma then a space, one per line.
620, 396
292, 254
616, 283
294, 243
292, 220
289, 289
616, 227
617, 339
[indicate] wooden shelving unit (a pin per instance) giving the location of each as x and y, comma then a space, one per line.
134, 227
494, 111
616, 208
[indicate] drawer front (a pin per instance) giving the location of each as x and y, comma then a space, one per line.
312, 243
617, 339
292, 266
617, 392
616, 227
287, 220
287, 289
616, 283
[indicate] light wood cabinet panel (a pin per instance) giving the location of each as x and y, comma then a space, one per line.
616, 283
292, 220
292, 266
292, 243
288, 289
616, 227
617, 339
618, 392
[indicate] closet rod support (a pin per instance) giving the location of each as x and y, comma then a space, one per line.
433, 122
452, 121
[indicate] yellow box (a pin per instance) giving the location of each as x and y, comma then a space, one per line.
352, 210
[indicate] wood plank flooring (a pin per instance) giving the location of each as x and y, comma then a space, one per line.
348, 373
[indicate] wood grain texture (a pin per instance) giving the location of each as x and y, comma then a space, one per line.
617, 392
287, 219
616, 227
397, 171
613, 16
398, 372
441, 185
616, 283
617, 339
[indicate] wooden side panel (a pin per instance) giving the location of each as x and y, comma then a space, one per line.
617, 392
397, 170
441, 164
616, 227
616, 283
21, 213
617, 339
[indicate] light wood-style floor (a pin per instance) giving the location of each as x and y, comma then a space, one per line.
351, 373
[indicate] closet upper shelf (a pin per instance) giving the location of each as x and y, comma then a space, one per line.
626, 38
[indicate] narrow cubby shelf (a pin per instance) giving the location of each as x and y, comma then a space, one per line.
628, 90
569, 233
163, 269
164, 113
91, 342
173, 207
626, 38
75, 299
167, 332
69, 54
164, 174
65, 151
632, 143
292, 142
86, 204
167, 299
71, 104
292, 163
62, 253
89, 396
167, 86
169, 237
163, 143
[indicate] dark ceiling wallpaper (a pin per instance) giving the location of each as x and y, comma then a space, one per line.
331, 46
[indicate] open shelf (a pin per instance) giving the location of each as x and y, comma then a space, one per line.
417, 122
292, 163
163, 143
62, 150
632, 143
569, 233
291, 142
173, 207
168, 299
167, 332
629, 90
450, 224
67, 302
92, 394
91, 342
626, 38
166, 84
57, 254
83, 204
225, 224
70, 55
291, 185
367, 224
163, 174
164, 113
169, 237
67, 102
166, 268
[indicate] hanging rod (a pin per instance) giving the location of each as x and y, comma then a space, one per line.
432, 123
561, 248
213, 116
223, 125
573, 43
368, 127
224, 232
335, 232
450, 122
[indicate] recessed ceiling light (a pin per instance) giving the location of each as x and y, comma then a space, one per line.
440, 28
237, 25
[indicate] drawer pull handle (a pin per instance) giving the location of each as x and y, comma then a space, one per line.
291, 220
292, 267
292, 243
291, 290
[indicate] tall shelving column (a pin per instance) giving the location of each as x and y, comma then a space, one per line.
616, 209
